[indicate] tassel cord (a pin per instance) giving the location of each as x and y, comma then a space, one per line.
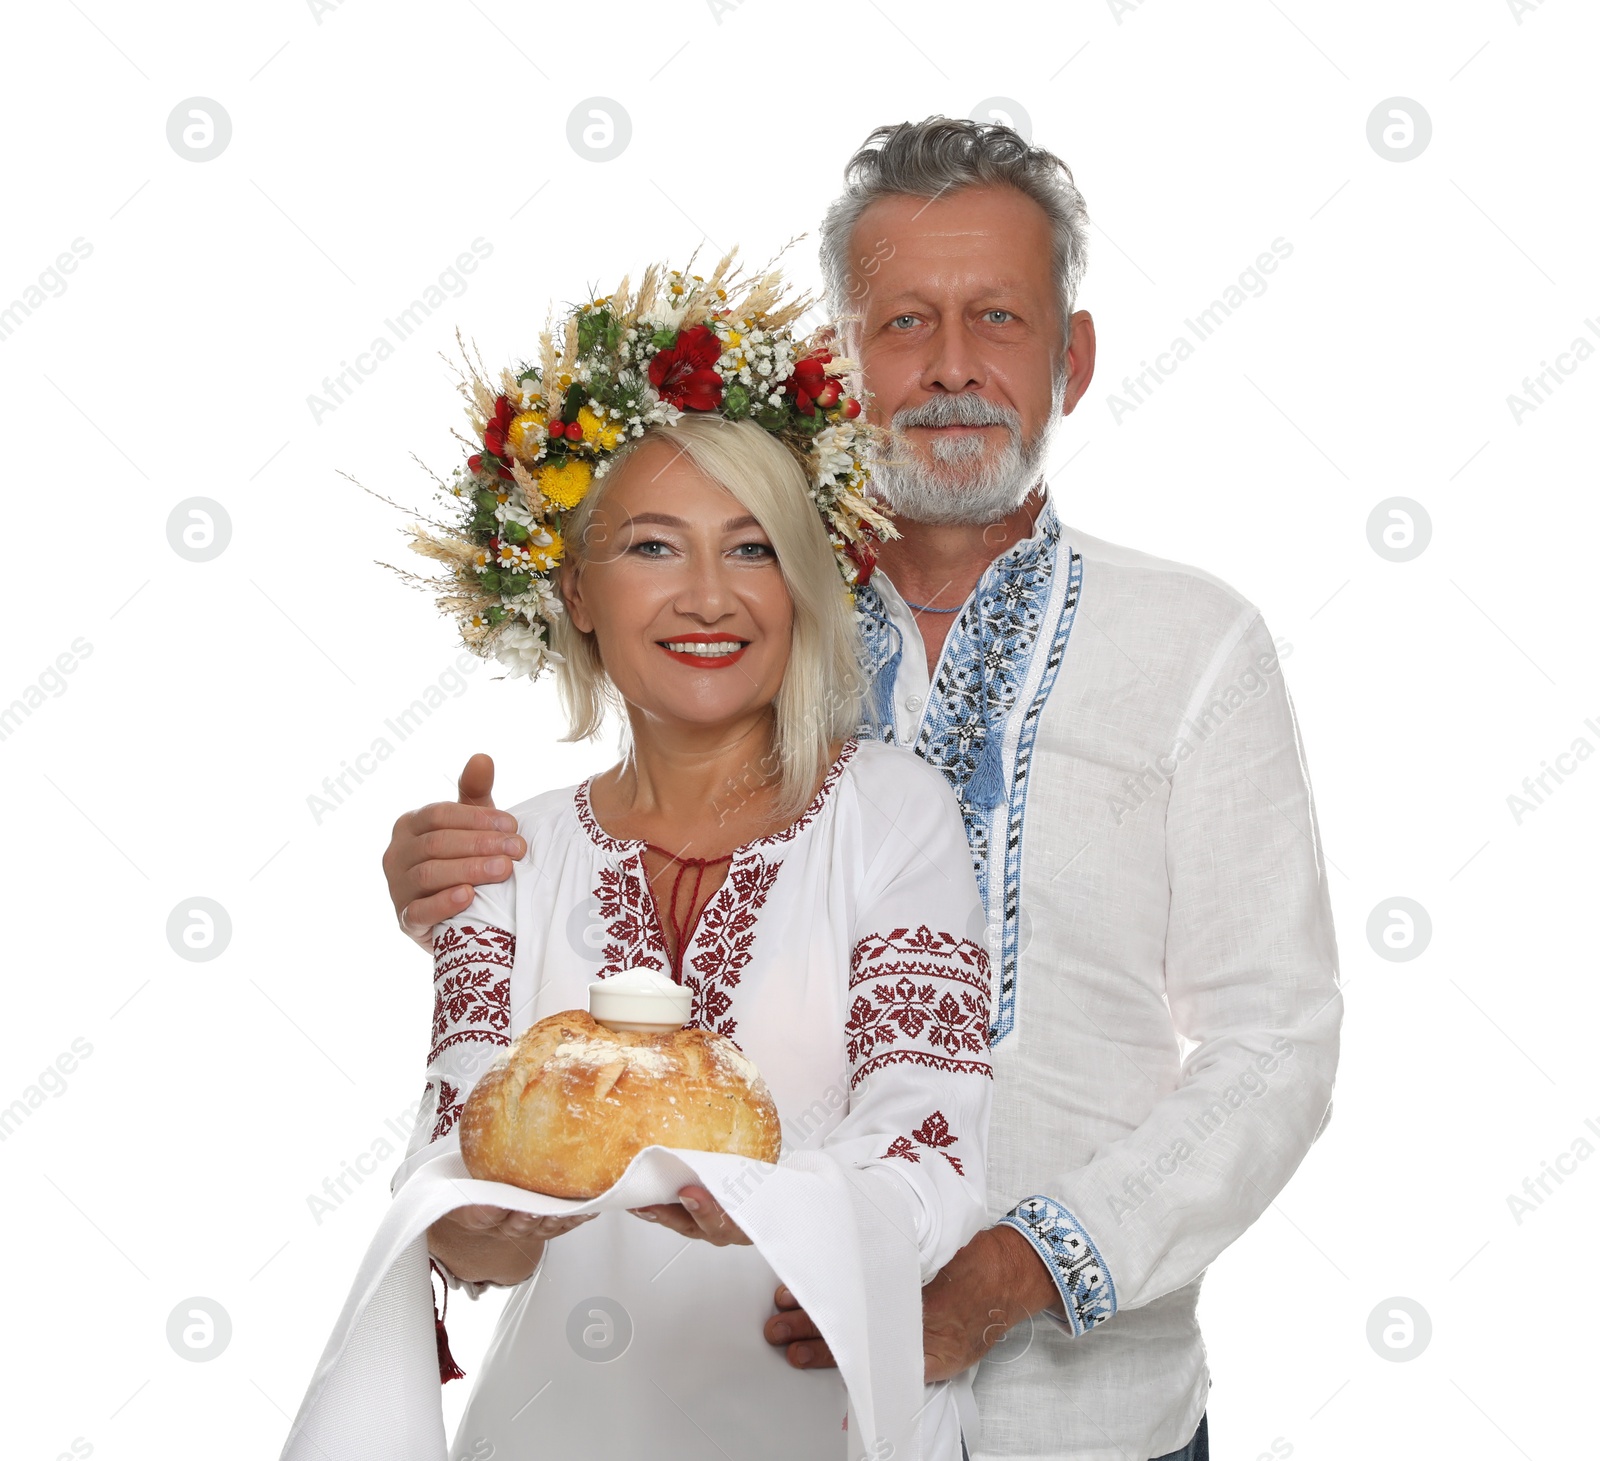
448, 1369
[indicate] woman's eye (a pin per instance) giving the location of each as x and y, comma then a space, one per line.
652, 548
754, 550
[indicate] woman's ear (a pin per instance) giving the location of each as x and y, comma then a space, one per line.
570, 584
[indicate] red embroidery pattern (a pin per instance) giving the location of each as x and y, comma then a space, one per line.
846, 753
471, 986
724, 936
935, 1133
721, 944
607, 843
602, 838
633, 935
924, 1001
449, 1110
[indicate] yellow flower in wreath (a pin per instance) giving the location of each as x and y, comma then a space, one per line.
548, 556
564, 483
600, 431
525, 435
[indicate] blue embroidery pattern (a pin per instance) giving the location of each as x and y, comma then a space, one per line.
1088, 1296
881, 649
1006, 1005
987, 663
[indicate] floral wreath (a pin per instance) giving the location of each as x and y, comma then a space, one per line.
546, 432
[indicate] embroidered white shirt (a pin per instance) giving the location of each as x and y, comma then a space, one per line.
1167, 1010
844, 956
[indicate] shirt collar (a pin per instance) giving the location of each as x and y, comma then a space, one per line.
1021, 554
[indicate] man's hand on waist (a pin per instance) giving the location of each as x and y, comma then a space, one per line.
993, 1283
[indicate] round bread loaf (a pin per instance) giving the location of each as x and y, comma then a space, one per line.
571, 1103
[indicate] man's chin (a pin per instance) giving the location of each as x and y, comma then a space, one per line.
949, 504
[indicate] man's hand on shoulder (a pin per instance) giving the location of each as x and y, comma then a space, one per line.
440, 852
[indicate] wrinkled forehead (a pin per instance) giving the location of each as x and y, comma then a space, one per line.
968, 242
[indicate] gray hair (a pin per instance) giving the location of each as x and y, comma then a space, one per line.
940, 155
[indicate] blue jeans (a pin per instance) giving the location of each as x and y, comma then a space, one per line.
1198, 1449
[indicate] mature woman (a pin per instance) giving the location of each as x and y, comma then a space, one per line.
815, 894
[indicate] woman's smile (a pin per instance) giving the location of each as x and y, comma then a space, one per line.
704, 651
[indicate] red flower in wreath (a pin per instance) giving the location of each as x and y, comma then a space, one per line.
864, 555
810, 385
683, 372
494, 434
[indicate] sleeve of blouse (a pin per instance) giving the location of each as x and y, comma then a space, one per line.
472, 956
917, 1025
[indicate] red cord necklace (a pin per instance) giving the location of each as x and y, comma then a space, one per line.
680, 924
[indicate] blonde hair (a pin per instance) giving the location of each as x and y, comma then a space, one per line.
819, 700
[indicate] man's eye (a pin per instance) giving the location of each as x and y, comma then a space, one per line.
998, 316
903, 321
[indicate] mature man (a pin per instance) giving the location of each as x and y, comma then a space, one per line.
1166, 1007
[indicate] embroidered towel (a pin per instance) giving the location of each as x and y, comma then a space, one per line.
842, 1239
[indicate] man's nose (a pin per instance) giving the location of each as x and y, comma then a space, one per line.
954, 362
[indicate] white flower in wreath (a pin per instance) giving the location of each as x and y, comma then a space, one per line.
541, 601
512, 512
829, 452
665, 315
520, 650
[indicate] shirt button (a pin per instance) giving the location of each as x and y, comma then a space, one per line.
913, 702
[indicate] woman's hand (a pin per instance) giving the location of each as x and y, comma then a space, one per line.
505, 1222
481, 1241
696, 1214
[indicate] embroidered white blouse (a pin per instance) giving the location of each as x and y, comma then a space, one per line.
839, 956
1167, 1006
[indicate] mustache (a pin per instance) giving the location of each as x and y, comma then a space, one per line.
964, 409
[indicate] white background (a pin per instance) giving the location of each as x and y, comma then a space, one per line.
369, 148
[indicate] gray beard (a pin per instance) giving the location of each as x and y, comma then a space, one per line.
965, 482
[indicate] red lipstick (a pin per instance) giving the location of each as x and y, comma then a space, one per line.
702, 660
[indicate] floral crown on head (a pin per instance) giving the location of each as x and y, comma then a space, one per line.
545, 432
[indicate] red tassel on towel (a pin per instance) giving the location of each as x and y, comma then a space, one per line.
448, 1368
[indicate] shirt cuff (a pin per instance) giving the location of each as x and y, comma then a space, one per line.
1088, 1295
